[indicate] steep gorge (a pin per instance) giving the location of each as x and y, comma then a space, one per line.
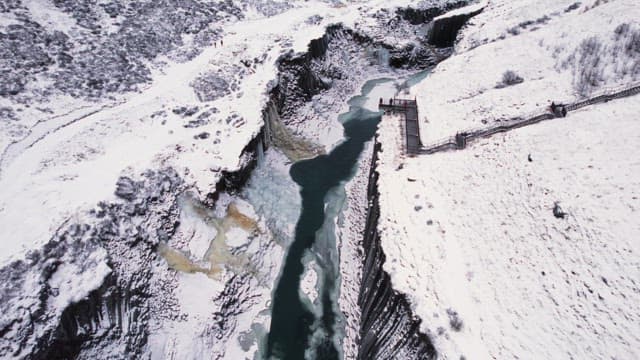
115, 316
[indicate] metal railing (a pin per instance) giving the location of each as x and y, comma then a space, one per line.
413, 144
451, 142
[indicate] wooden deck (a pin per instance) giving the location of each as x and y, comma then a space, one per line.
412, 127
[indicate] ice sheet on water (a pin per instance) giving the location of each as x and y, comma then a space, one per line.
309, 282
275, 196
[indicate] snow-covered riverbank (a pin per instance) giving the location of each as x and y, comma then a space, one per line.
474, 238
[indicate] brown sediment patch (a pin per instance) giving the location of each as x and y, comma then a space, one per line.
178, 261
218, 255
294, 147
241, 220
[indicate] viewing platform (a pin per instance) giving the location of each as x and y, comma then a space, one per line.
412, 128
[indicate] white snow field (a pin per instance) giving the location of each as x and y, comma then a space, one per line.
470, 235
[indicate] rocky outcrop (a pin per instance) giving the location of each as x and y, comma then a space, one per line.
109, 315
303, 75
444, 30
297, 82
417, 16
91, 287
233, 181
421, 54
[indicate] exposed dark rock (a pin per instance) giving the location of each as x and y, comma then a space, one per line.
314, 19
422, 15
233, 181
7, 113
271, 8
10, 85
454, 320
8, 5
201, 120
557, 211
185, 111
126, 188
444, 30
416, 56
388, 328
202, 135
572, 7
210, 86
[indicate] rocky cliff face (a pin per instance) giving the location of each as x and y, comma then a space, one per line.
444, 30
388, 329
45, 311
113, 257
423, 15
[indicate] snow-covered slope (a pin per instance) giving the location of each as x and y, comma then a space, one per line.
72, 154
561, 53
474, 238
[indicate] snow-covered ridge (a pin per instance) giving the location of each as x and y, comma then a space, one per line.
522, 245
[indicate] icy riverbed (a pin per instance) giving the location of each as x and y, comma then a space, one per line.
304, 327
242, 241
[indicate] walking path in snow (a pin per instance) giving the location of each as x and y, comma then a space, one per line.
460, 139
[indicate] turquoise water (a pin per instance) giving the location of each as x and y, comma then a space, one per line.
297, 328
293, 323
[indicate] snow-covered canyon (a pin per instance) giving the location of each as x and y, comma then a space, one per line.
197, 180
139, 211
